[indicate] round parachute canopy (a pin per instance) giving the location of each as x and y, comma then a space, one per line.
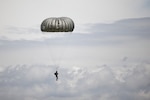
57, 24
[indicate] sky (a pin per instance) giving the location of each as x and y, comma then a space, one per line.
105, 57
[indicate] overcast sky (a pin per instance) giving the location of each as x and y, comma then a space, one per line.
105, 57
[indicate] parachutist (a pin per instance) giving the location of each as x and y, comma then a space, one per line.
57, 24
56, 74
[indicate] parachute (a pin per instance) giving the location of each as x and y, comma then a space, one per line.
57, 26
60, 24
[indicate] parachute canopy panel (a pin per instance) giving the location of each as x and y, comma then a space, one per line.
57, 24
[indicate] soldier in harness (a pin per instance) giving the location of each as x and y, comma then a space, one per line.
56, 74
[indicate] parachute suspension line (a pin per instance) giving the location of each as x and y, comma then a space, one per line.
50, 49
59, 50
47, 50
55, 50
57, 67
66, 40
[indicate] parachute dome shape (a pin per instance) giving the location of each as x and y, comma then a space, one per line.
57, 24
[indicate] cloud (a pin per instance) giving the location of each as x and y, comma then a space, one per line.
123, 29
36, 82
135, 27
102, 43
12, 33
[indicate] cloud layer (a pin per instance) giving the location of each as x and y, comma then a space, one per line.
115, 82
128, 37
135, 27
